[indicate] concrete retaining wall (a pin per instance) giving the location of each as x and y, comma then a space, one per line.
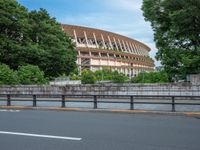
106, 89
194, 79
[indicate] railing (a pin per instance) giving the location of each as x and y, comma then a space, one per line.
96, 99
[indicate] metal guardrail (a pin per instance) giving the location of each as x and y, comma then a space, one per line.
95, 99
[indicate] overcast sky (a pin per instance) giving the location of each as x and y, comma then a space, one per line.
119, 16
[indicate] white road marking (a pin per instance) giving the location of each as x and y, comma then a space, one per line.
40, 135
9, 110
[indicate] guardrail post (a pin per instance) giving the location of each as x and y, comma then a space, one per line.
95, 102
63, 101
131, 103
34, 101
8, 100
173, 104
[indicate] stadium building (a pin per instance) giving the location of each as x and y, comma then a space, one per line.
99, 49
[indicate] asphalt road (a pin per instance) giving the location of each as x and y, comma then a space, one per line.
97, 131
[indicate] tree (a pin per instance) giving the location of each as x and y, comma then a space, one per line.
176, 25
118, 77
104, 74
151, 77
74, 77
30, 74
13, 29
34, 38
88, 77
58, 54
7, 75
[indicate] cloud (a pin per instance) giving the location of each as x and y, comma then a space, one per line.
122, 17
119, 16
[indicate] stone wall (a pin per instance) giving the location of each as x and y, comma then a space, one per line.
106, 89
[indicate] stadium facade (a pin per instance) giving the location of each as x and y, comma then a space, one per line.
99, 49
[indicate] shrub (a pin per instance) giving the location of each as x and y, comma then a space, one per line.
31, 74
151, 77
118, 77
88, 77
7, 75
74, 77
104, 74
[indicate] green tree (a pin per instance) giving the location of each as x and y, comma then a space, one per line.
176, 25
34, 38
88, 77
104, 74
75, 77
13, 31
7, 75
151, 77
30, 74
56, 50
118, 77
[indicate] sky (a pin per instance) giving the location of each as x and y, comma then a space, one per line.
119, 16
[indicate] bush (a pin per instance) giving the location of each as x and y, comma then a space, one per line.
7, 75
118, 77
104, 74
74, 77
31, 74
88, 77
151, 77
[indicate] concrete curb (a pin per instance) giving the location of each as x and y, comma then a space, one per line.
193, 114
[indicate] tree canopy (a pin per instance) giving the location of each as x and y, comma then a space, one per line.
106, 74
88, 77
30, 74
7, 75
34, 38
151, 77
176, 25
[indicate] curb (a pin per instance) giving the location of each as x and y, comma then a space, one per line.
192, 114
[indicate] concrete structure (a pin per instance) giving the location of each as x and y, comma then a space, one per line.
62, 81
106, 89
98, 49
194, 79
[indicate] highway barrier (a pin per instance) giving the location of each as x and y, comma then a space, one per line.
96, 99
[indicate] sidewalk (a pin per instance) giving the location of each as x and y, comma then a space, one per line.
197, 114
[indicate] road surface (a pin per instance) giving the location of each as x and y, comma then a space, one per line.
68, 130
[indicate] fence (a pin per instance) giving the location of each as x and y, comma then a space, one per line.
172, 100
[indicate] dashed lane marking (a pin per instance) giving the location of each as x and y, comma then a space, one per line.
9, 110
41, 136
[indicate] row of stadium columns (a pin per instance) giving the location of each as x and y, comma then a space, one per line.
115, 65
127, 71
120, 45
99, 54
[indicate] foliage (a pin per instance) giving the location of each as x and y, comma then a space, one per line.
30, 74
7, 75
99, 75
176, 25
104, 74
118, 77
151, 77
108, 74
88, 77
34, 38
59, 55
74, 77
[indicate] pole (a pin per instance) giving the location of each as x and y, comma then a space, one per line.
63, 101
131, 103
